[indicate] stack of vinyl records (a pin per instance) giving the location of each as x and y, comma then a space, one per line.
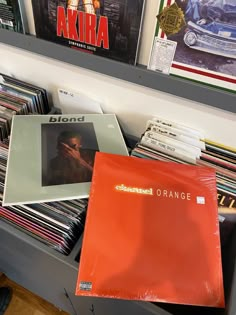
223, 160
56, 224
169, 141
19, 98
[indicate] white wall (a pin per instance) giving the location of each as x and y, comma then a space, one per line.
133, 104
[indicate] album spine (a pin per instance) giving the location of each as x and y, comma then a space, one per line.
178, 135
174, 142
168, 149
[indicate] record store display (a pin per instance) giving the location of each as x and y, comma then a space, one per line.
168, 141
56, 224
19, 98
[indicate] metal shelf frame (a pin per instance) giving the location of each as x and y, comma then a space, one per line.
197, 92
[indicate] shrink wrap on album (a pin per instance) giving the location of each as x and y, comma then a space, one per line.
152, 233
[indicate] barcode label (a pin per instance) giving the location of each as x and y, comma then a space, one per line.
6, 22
85, 286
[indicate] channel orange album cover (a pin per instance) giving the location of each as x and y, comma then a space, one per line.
152, 233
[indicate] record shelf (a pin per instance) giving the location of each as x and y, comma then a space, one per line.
52, 275
197, 92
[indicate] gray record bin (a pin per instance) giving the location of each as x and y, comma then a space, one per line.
52, 275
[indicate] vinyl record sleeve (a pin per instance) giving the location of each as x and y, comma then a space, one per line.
105, 28
152, 233
13, 16
204, 33
36, 169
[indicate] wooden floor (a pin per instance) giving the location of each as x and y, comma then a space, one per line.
24, 302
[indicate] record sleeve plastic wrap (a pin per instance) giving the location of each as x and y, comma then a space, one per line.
152, 233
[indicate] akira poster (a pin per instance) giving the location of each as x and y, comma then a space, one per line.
102, 27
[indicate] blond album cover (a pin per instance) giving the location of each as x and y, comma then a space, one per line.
51, 157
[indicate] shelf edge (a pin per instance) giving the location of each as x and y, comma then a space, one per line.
139, 75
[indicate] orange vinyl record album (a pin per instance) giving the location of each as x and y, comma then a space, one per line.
152, 233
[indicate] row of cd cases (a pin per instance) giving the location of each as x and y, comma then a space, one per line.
56, 224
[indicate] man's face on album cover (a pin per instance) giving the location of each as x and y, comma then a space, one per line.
73, 143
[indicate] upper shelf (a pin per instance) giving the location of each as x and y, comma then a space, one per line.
136, 74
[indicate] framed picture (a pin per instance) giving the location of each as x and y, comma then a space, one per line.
201, 37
